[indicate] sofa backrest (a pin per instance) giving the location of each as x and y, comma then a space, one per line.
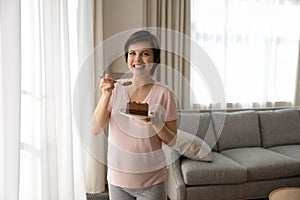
279, 127
199, 124
240, 129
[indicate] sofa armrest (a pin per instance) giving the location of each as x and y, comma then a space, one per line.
175, 185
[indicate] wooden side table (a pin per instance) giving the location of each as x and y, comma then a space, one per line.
288, 193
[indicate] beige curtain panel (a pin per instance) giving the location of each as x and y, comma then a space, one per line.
297, 100
172, 15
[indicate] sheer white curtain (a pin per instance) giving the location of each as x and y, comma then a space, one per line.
10, 71
41, 156
254, 45
96, 168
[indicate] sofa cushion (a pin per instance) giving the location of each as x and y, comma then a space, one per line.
264, 164
292, 151
240, 129
199, 124
280, 127
192, 147
221, 171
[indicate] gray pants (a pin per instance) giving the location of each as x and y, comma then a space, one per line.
155, 192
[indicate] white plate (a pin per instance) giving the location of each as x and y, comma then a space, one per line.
133, 116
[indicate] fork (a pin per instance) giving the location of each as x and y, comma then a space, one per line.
121, 82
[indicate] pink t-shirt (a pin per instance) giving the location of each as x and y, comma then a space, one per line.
135, 155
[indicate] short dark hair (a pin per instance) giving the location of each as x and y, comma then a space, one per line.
144, 36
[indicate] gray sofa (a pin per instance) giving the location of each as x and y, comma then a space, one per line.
256, 152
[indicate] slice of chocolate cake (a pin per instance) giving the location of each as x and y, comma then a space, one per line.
137, 108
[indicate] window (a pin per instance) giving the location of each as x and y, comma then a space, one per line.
254, 46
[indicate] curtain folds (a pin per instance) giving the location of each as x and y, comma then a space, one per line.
42, 46
10, 91
174, 17
57, 158
96, 170
297, 96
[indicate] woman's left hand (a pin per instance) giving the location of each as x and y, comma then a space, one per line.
155, 120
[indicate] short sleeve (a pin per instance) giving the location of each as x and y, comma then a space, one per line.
171, 106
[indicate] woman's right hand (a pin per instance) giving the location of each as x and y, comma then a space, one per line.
107, 84
101, 114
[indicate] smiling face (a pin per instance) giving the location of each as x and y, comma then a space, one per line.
140, 58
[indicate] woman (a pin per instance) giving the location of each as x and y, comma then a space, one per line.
136, 161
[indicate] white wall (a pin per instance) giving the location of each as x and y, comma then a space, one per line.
119, 16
